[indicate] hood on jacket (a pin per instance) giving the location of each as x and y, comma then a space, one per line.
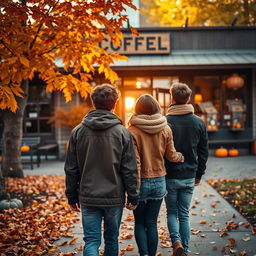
100, 119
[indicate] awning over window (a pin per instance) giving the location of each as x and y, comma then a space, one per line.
192, 58
189, 58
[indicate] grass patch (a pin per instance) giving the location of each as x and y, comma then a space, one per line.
241, 193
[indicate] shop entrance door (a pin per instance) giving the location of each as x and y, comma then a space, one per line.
164, 98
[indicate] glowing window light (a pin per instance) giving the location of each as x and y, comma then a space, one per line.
138, 84
129, 103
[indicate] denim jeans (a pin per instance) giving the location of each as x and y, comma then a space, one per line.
178, 202
92, 219
152, 191
146, 234
152, 188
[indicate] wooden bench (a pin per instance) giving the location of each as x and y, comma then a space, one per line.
32, 154
49, 147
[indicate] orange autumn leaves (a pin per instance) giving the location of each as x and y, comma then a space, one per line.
39, 36
33, 229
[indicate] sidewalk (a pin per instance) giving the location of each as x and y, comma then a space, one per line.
205, 238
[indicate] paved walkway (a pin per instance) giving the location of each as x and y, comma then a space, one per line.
205, 238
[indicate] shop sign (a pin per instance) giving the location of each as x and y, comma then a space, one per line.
145, 43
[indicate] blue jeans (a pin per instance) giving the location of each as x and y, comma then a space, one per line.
92, 219
178, 202
152, 191
146, 234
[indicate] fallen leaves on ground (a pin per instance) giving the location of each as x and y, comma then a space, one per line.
241, 193
46, 217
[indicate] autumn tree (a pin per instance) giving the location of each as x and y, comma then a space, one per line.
200, 12
36, 33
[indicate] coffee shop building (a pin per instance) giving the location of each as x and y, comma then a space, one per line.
218, 63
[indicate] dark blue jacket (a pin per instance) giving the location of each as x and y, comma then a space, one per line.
190, 138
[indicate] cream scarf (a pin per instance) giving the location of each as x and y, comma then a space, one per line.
181, 109
149, 123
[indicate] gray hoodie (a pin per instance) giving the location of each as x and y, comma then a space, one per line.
101, 164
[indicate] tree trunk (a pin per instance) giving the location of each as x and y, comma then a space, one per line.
12, 135
3, 193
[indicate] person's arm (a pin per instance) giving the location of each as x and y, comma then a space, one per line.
129, 171
137, 158
170, 152
202, 153
72, 175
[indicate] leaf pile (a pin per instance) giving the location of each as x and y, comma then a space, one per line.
241, 193
46, 217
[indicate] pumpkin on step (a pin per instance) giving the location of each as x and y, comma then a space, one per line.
221, 152
10, 204
25, 148
233, 152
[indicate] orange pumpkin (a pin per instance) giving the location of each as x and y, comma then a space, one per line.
233, 152
221, 152
1, 159
25, 148
238, 126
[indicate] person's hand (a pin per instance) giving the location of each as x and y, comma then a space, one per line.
75, 207
197, 182
130, 206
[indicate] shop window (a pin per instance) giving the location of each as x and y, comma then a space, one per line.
218, 103
164, 82
38, 111
207, 100
161, 86
137, 82
234, 102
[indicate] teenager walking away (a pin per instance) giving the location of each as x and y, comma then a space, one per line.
153, 140
100, 167
190, 138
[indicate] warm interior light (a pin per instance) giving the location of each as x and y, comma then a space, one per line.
129, 103
198, 98
138, 84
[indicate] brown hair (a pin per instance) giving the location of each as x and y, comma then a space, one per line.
146, 105
104, 96
180, 92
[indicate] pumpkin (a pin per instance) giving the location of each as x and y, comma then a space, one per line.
10, 204
221, 152
237, 126
25, 148
1, 159
233, 152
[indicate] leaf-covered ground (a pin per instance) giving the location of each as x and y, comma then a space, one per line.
45, 217
241, 193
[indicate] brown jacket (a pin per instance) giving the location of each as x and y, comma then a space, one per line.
153, 141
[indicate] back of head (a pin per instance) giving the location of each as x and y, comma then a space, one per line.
146, 105
104, 97
180, 93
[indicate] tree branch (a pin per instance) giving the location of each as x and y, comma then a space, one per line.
3, 43
40, 26
53, 48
